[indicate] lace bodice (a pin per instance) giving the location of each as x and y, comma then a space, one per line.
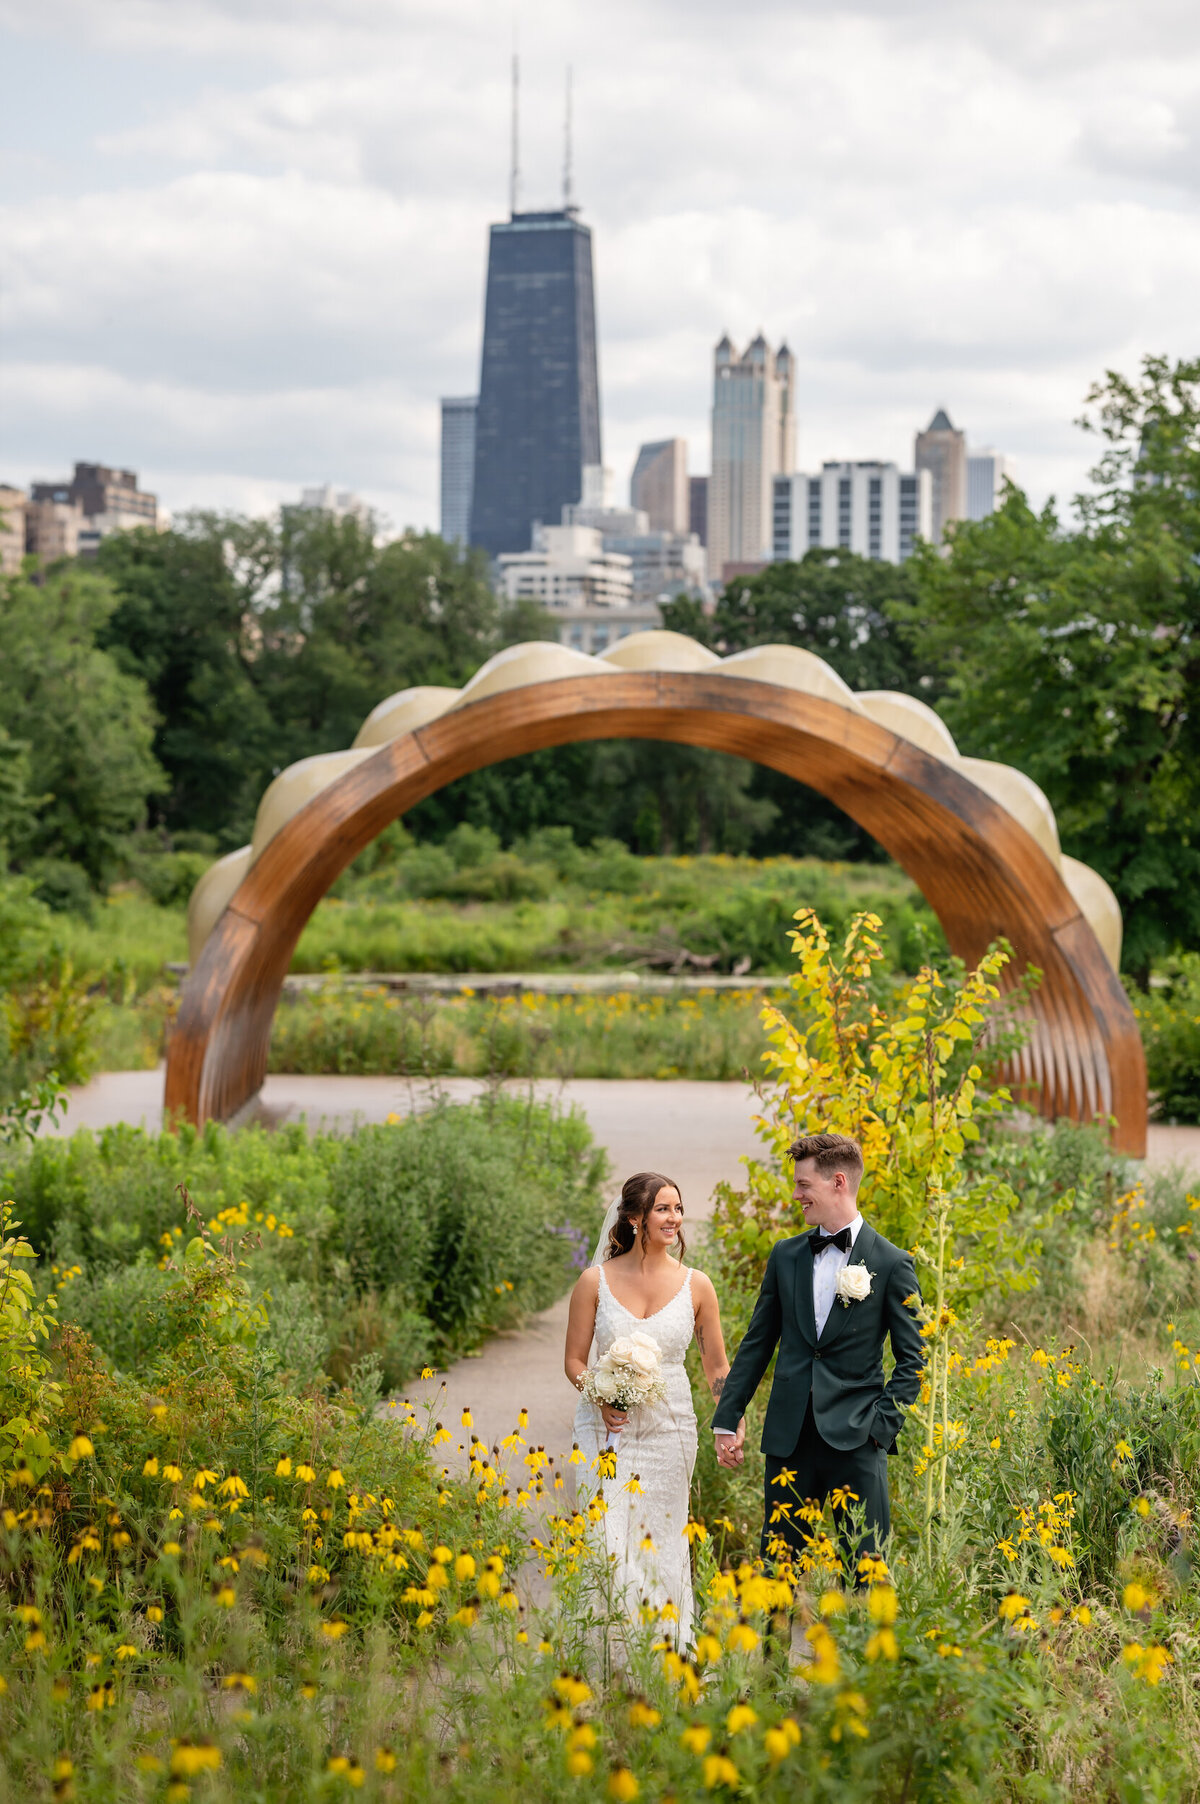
672, 1326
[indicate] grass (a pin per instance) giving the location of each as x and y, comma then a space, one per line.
707, 1034
420, 911
468, 906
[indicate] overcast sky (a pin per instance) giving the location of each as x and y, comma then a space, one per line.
243, 244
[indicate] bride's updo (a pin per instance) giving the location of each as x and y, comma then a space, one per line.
637, 1200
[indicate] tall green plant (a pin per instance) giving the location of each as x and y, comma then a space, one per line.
29, 1395
902, 1075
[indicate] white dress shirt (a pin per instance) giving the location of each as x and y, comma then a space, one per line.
826, 1266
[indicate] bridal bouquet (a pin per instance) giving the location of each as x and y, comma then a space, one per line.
628, 1374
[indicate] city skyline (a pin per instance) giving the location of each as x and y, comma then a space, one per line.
243, 252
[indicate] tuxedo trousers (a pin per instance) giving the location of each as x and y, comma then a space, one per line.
815, 1471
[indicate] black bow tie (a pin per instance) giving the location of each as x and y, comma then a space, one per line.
843, 1240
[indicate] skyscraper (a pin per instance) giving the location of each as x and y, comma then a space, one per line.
986, 472
659, 485
458, 466
538, 421
698, 507
942, 450
753, 441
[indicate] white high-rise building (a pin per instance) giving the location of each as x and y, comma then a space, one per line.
341, 503
874, 509
13, 502
566, 564
753, 441
986, 473
586, 587
458, 465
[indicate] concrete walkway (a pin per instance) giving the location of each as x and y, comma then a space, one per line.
697, 1133
694, 1132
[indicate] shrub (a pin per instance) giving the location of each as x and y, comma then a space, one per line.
455, 1213
169, 878
64, 887
1170, 1023
45, 1011
411, 1241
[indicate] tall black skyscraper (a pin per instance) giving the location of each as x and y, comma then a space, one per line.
539, 399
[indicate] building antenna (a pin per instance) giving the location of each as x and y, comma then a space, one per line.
514, 176
567, 201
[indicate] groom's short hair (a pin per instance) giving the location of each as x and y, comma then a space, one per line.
830, 1153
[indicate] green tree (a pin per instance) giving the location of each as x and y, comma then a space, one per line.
355, 621
88, 725
17, 806
834, 603
263, 643
184, 624
837, 605
1074, 655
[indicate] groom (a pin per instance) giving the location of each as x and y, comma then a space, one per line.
829, 1299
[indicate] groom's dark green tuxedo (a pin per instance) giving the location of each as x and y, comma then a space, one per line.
830, 1411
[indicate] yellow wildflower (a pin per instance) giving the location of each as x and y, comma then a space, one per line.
188, 1758
881, 1604
643, 1716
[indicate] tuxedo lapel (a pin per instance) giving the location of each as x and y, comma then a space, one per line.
841, 1312
802, 1279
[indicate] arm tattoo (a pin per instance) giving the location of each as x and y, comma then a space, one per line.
700, 1338
718, 1384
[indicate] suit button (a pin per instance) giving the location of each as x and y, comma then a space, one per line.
817, 1354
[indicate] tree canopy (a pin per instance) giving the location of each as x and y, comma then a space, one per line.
83, 728
1072, 651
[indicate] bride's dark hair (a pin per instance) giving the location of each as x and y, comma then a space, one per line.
637, 1200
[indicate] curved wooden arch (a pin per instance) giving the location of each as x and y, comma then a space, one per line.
981, 871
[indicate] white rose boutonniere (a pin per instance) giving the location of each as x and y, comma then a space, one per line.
853, 1284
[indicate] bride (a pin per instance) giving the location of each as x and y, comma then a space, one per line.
634, 1285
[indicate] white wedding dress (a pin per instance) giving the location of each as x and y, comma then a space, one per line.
658, 1447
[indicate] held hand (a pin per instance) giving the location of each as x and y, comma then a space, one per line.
730, 1447
614, 1419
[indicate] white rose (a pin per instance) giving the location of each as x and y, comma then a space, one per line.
620, 1353
606, 1384
644, 1340
853, 1283
644, 1360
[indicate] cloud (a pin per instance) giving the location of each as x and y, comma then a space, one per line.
266, 264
